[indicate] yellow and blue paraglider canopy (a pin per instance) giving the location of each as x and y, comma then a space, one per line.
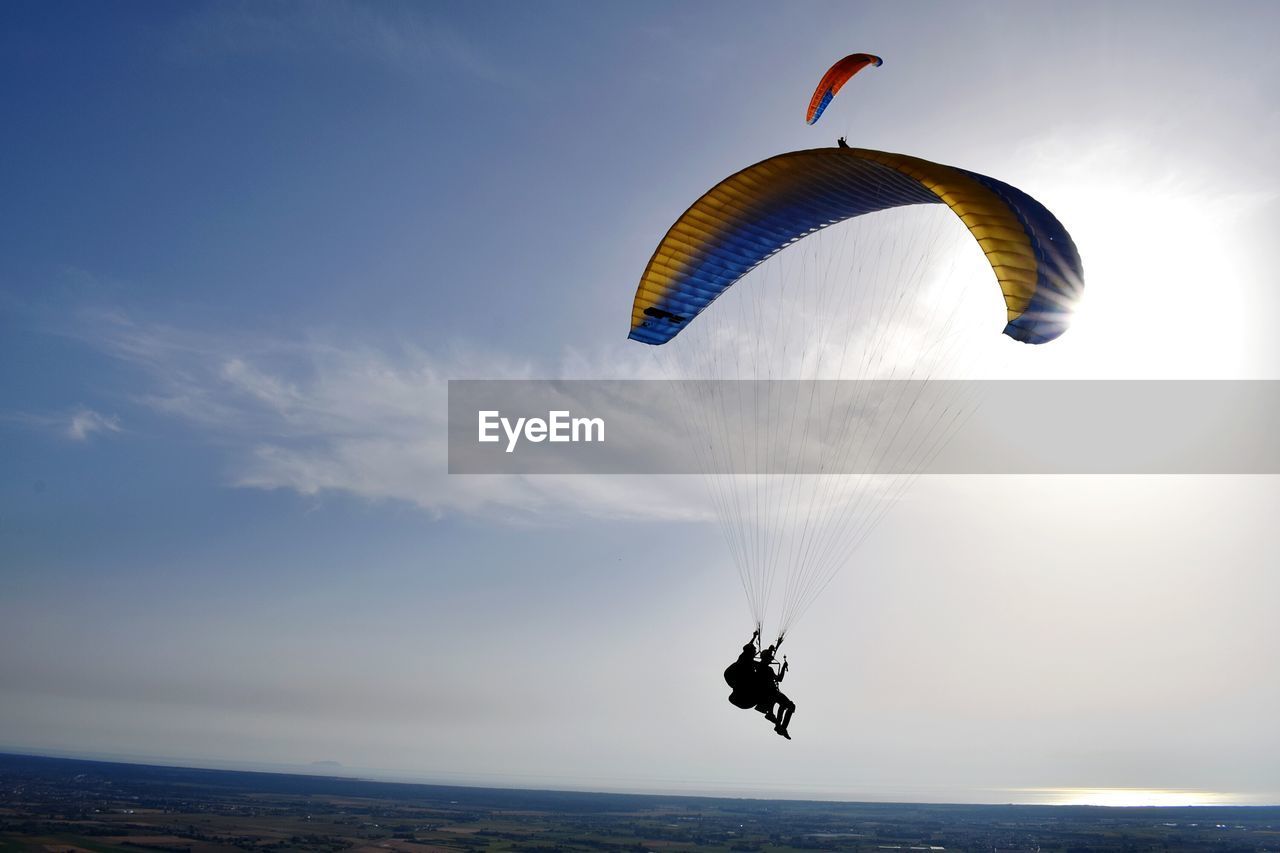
751, 215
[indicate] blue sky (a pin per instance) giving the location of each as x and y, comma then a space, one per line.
247, 243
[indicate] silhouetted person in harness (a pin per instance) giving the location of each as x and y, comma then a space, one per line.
755, 684
840, 143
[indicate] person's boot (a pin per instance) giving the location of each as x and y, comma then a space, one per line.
780, 730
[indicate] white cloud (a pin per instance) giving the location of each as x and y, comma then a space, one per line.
316, 418
404, 40
85, 422
78, 425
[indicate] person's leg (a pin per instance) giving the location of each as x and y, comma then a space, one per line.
785, 709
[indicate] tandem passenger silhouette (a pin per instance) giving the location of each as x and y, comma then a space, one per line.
755, 684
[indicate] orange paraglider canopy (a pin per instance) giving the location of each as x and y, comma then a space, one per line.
836, 76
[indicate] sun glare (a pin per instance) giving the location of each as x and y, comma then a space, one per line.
1165, 276
1128, 797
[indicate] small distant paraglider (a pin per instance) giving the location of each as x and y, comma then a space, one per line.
837, 75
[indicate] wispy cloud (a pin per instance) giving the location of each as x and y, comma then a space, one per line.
404, 39
316, 417
85, 422
79, 424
